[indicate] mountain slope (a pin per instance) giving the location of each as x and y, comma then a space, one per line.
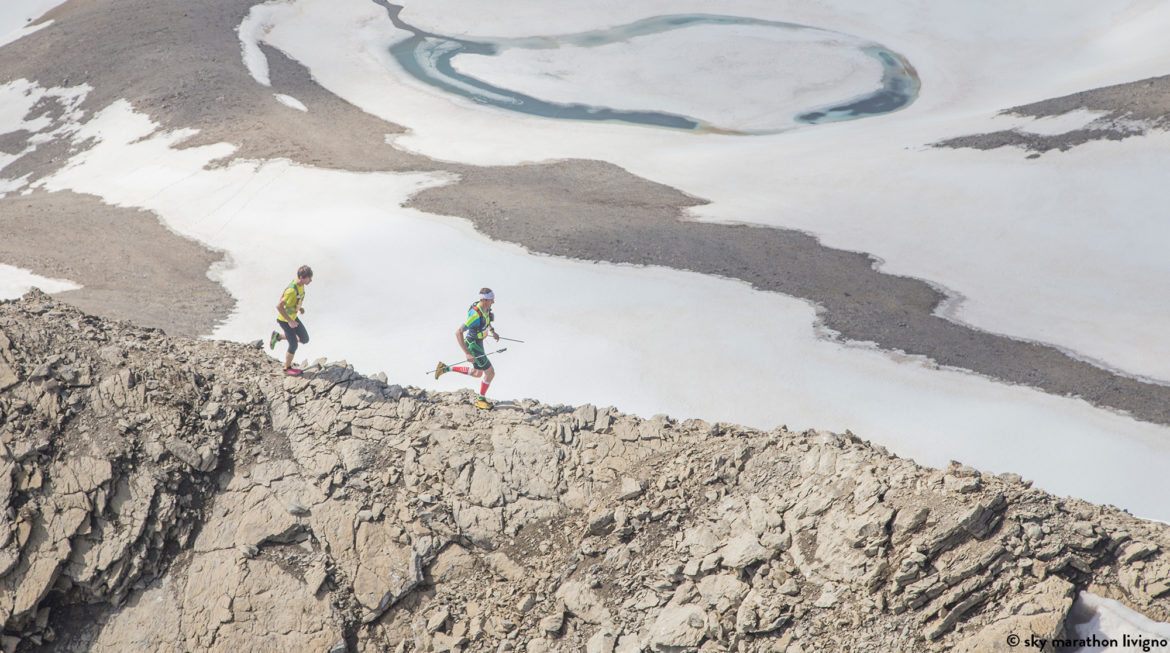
172, 494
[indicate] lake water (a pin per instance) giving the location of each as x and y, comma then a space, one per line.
431, 57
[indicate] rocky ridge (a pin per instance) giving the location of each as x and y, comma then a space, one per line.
1122, 111
172, 494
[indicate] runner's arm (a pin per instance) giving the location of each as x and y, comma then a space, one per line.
292, 320
462, 344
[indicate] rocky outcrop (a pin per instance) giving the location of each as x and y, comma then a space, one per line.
171, 494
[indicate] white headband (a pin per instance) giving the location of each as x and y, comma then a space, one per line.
488, 295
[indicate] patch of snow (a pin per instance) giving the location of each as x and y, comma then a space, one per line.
1096, 617
290, 101
1055, 125
17, 100
15, 281
252, 31
16, 17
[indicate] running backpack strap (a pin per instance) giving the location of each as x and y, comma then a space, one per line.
298, 293
475, 307
485, 319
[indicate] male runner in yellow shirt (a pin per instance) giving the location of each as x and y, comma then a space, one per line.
287, 309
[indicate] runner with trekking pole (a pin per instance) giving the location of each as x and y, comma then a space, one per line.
470, 337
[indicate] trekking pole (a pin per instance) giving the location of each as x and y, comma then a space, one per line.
500, 350
510, 339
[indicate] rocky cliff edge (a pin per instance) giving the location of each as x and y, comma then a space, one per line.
171, 494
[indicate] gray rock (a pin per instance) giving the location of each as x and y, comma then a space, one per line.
600, 522
552, 624
505, 567
1041, 611
631, 488
438, 620
984, 517
584, 603
295, 507
722, 591
678, 627
743, 550
1135, 551
910, 520
602, 641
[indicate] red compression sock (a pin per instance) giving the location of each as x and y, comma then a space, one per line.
461, 370
483, 386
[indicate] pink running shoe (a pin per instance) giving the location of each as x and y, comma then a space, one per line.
292, 371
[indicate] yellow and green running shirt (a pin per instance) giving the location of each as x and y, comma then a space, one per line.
292, 299
476, 323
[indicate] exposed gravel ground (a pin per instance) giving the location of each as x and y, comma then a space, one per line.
1127, 110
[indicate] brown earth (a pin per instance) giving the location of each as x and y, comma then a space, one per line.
131, 266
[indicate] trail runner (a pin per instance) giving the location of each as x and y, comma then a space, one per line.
288, 309
470, 337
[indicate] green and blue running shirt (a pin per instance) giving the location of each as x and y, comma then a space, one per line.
476, 324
